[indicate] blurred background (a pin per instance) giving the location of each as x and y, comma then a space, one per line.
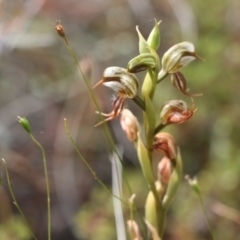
39, 80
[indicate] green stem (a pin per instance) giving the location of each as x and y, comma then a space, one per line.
139, 102
161, 222
154, 210
205, 213
15, 200
162, 77
144, 156
206, 217
159, 128
47, 183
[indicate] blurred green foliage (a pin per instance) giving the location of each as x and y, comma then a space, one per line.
14, 229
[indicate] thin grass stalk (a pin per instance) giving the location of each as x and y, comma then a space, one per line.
195, 187
205, 213
87, 164
15, 200
206, 216
47, 183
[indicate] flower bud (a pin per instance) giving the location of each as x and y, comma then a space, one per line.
60, 30
175, 111
142, 62
129, 125
164, 142
121, 81
25, 124
117, 108
193, 182
154, 36
164, 170
178, 80
178, 56
133, 230
143, 45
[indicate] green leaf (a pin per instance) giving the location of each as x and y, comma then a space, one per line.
145, 162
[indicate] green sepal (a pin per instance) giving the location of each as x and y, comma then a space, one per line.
143, 45
174, 181
154, 36
149, 120
142, 62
